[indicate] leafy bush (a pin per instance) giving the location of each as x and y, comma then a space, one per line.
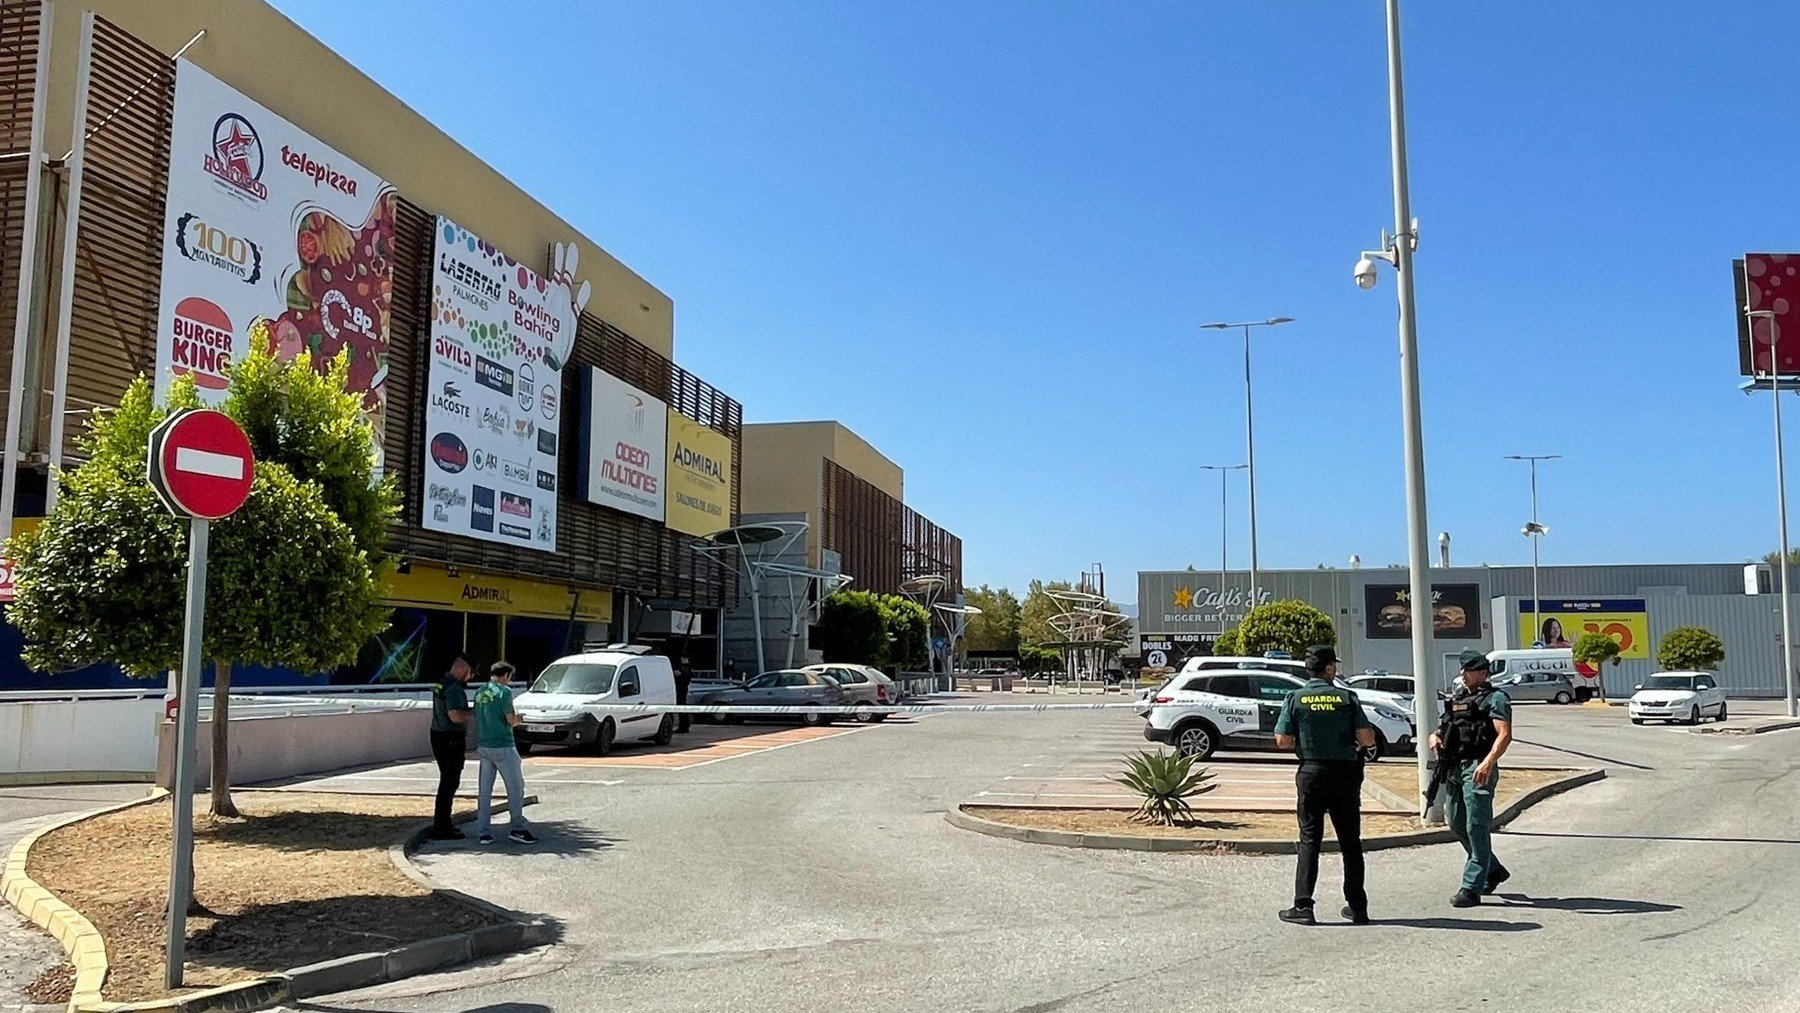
852, 628
1228, 645
908, 629
1690, 649
1289, 625
1166, 780
1596, 649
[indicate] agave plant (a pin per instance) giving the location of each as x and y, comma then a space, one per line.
1166, 780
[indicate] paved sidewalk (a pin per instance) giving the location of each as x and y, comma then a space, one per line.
25, 950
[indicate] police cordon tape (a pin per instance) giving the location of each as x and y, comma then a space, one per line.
850, 709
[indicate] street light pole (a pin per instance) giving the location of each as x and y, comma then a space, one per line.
1250, 429
1224, 559
1535, 531
1397, 250
1787, 625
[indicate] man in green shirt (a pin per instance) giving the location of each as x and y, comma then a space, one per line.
1477, 724
1324, 723
494, 723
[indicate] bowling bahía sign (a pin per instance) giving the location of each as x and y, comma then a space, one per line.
271, 240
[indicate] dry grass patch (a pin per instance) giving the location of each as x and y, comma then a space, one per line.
1403, 780
298, 879
1226, 825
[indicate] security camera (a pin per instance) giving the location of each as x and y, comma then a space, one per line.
1365, 273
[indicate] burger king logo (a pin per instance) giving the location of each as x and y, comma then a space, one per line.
201, 342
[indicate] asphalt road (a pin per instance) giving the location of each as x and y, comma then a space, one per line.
825, 877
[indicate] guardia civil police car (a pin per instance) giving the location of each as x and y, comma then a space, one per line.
1237, 709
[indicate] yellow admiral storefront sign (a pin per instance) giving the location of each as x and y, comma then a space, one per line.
699, 478
433, 587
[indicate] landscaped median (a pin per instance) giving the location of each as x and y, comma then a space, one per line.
307, 893
1248, 831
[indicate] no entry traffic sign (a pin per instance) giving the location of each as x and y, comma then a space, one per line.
200, 464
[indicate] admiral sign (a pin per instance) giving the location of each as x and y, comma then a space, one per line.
699, 477
499, 334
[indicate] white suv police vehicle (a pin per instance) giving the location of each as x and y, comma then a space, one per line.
1280, 662
1237, 709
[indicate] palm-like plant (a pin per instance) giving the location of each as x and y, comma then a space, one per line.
1166, 780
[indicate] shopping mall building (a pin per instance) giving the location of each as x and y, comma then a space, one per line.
1180, 612
186, 180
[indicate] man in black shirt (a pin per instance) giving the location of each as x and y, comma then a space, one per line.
449, 744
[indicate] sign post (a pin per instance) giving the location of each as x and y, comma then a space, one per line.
201, 467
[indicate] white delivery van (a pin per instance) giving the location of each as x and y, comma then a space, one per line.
1554, 660
568, 703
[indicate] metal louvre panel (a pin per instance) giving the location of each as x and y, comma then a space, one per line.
118, 270
882, 541
18, 64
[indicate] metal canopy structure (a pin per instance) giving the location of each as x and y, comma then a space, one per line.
758, 549
928, 589
956, 621
1086, 621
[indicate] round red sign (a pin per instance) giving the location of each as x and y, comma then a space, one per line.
201, 465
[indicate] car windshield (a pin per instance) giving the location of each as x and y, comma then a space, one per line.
1670, 682
579, 677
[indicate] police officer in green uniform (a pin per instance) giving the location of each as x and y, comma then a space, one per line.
1477, 726
1324, 723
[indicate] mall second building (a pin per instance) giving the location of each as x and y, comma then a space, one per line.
557, 466
1487, 607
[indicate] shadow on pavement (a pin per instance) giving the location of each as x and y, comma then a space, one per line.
1585, 756
1652, 837
563, 838
498, 1007
1586, 905
1456, 924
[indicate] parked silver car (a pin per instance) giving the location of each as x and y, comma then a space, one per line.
861, 690
1552, 687
789, 688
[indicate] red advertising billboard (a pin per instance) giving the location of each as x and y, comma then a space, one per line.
1768, 283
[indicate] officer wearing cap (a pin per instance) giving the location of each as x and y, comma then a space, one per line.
1324, 723
1474, 734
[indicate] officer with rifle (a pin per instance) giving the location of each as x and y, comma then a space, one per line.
1476, 728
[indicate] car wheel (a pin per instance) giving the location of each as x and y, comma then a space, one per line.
1564, 697
865, 713
603, 742
1694, 715
665, 732
1370, 754
1721, 712
1196, 739
811, 718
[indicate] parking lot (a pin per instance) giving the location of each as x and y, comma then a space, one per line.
823, 871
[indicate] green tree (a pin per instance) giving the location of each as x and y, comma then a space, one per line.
1289, 625
852, 628
1773, 558
289, 582
1036, 612
1033, 658
1229, 644
1690, 649
908, 629
1597, 649
997, 627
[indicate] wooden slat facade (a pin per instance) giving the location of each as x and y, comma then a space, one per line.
882, 541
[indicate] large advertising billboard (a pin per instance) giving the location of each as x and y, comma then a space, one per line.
1560, 622
493, 393
699, 474
270, 240
624, 452
1768, 283
1455, 611
1172, 650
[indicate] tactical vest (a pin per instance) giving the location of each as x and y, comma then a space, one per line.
1473, 728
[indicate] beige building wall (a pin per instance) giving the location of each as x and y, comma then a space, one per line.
784, 470
252, 47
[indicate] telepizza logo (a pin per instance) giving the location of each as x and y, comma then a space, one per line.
201, 342
237, 155
235, 255
318, 172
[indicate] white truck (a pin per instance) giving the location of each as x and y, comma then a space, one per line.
1553, 660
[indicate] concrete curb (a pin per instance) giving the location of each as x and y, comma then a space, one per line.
1721, 729
87, 951
77, 936
962, 818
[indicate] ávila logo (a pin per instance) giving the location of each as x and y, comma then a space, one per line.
237, 155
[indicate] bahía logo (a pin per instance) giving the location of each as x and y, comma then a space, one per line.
201, 343
235, 255
449, 452
237, 155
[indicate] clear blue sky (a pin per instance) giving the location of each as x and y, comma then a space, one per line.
982, 235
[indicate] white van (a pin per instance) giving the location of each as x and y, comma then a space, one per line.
1554, 660
566, 704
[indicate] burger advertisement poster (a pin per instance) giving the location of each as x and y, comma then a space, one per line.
271, 240
500, 334
1455, 611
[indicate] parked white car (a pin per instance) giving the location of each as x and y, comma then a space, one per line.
1677, 696
1237, 709
566, 704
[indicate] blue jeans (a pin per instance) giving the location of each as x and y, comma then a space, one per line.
1469, 809
505, 760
